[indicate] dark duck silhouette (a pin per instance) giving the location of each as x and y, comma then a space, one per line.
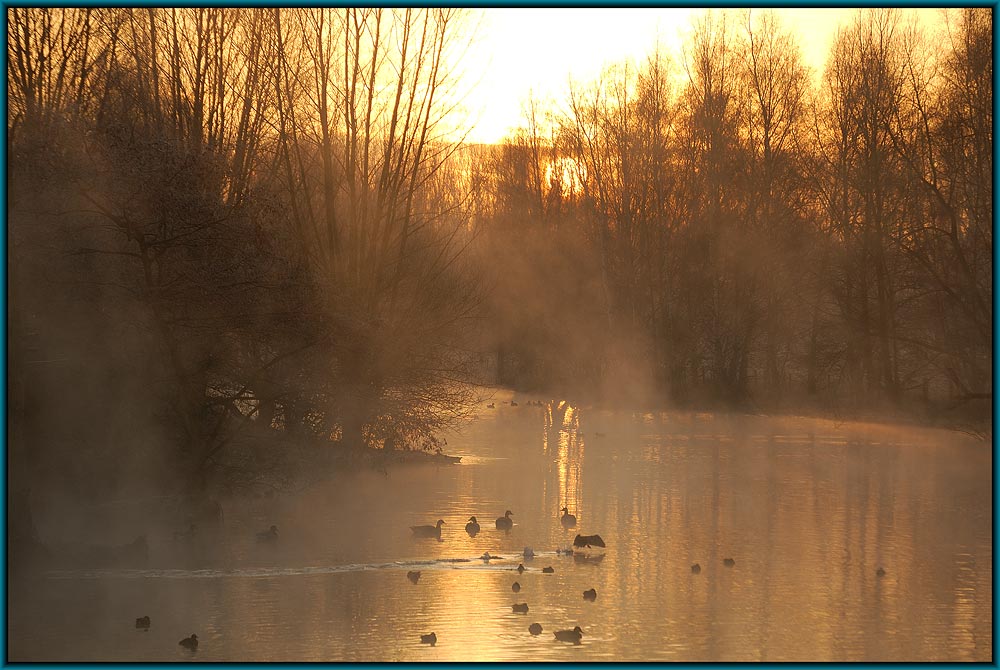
430, 639
142, 622
428, 531
520, 568
728, 562
269, 535
515, 587
472, 528
491, 406
567, 520
190, 642
535, 629
504, 522
880, 573
573, 636
413, 576
696, 568
521, 608
588, 541
548, 570
590, 594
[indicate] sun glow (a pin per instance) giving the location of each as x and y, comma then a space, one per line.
536, 52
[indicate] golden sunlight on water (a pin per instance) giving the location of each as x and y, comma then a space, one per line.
808, 509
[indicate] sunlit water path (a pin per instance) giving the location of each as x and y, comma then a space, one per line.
808, 509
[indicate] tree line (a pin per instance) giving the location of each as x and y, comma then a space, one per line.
225, 220
720, 225
228, 219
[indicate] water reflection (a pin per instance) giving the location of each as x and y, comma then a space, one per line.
809, 510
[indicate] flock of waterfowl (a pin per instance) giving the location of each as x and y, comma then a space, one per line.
143, 623
505, 523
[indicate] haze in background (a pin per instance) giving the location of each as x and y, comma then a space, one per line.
554, 45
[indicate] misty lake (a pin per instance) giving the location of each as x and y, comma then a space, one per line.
809, 510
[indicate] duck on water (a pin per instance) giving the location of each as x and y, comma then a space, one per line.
573, 636
472, 528
504, 522
428, 531
567, 520
588, 541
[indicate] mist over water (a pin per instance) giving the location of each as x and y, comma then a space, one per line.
809, 510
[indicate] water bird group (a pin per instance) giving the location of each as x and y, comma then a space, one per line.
505, 523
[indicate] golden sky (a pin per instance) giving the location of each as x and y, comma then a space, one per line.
522, 50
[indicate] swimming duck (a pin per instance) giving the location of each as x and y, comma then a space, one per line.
590, 594
521, 608
696, 568
142, 622
588, 541
430, 639
535, 629
504, 522
599, 435
513, 404
567, 520
529, 553
491, 406
564, 552
472, 528
728, 562
487, 558
269, 535
428, 531
413, 576
520, 568
880, 573
573, 636
515, 587
190, 642
549, 570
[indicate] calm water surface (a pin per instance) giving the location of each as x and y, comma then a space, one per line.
809, 509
